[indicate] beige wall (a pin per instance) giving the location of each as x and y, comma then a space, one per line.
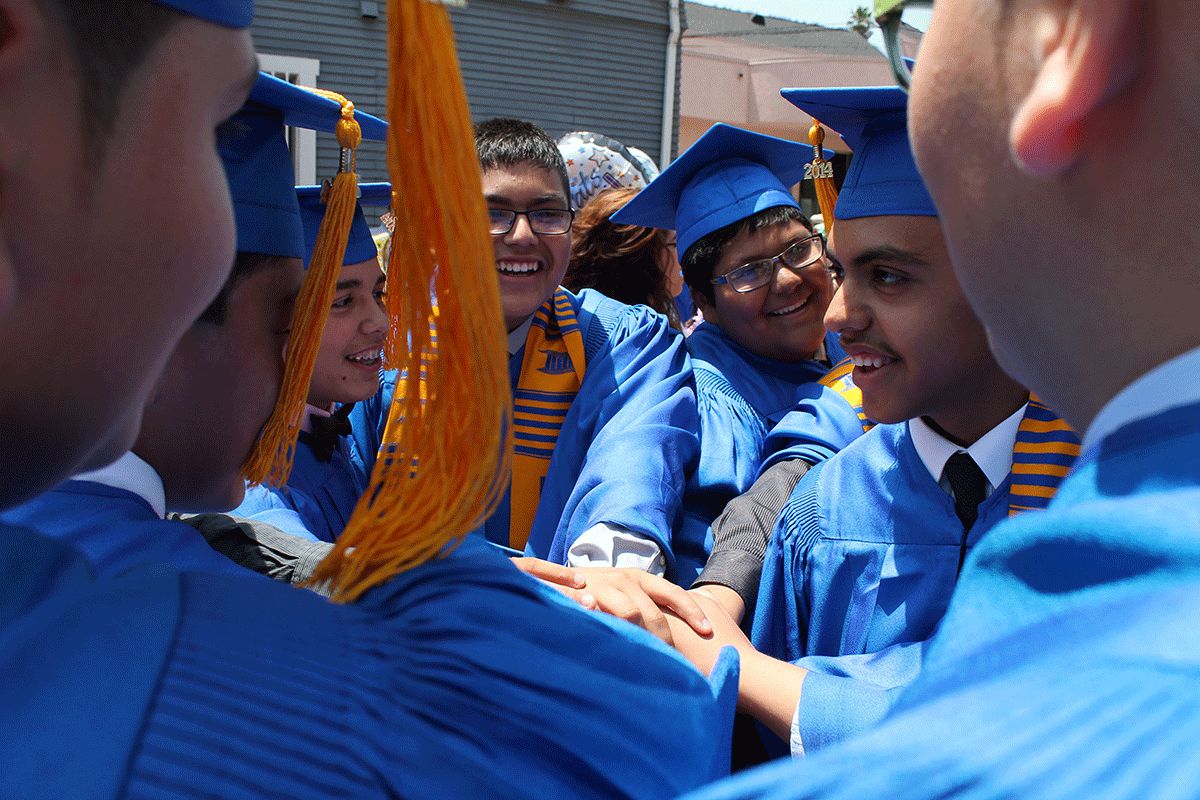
726, 80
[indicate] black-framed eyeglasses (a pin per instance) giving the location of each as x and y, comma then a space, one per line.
757, 274
887, 16
542, 221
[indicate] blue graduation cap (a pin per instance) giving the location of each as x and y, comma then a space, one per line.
361, 246
258, 163
883, 179
229, 13
729, 174
305, 109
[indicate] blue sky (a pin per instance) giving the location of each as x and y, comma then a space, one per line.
831, 13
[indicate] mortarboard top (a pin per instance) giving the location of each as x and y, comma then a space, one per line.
229, 13
883, 179
361, 246
729, 174
258, 163
314, 112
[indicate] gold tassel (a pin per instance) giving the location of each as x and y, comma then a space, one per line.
271, 459
822, 175
446, 450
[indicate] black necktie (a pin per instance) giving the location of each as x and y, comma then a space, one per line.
327, 430
969, 485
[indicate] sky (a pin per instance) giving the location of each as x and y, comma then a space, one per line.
830, 13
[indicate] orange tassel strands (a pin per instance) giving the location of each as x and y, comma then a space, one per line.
446, 452
271, 459
821, 171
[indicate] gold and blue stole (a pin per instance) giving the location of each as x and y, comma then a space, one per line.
551, 375
841, 380
1045, 451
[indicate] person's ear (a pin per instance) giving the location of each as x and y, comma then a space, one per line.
703, 304
1087, 53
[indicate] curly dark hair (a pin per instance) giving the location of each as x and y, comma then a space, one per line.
621, 261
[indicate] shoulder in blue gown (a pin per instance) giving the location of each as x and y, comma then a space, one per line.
1068, 664
209, 685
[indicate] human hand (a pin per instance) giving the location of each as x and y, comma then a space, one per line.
631, 594
702, 649
565, 579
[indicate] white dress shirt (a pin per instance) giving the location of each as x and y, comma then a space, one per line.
992, 451
133, 475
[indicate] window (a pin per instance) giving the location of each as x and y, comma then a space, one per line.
303, 143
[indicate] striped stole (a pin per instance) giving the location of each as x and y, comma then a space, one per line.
551, 374
1045, 450
841, 380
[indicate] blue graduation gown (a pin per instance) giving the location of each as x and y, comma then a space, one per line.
822, 423
322, 493
1068, 664
167, 683
864, 556
627, 441
741, 396
115, 529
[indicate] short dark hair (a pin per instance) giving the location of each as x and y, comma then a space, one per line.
504, 142
244, 265
701, 258
108, 41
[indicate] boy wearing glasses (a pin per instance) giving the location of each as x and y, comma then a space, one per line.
869, 548
604, 405
760, 275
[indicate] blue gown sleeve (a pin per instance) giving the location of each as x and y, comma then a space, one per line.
264, 504
846, 695
821, 424
638, 400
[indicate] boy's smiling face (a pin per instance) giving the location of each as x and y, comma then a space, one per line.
347, 368
782, 320
918, 348
530, 265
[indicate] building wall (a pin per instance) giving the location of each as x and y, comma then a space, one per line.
565, 64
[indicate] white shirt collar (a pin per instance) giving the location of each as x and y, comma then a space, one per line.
518, 335
133, 475
1170, 385
992, 451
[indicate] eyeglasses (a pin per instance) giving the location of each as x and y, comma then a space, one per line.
757, 274
543, 221
887, 16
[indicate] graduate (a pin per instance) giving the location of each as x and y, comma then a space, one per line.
1067, 664
225, 375
867, 551
329, 474
605, 408
196, 679
759, 274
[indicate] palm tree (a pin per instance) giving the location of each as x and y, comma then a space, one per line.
861, 22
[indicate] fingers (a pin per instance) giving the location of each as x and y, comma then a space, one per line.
667, 595
583, 598
620, 596
554, 574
